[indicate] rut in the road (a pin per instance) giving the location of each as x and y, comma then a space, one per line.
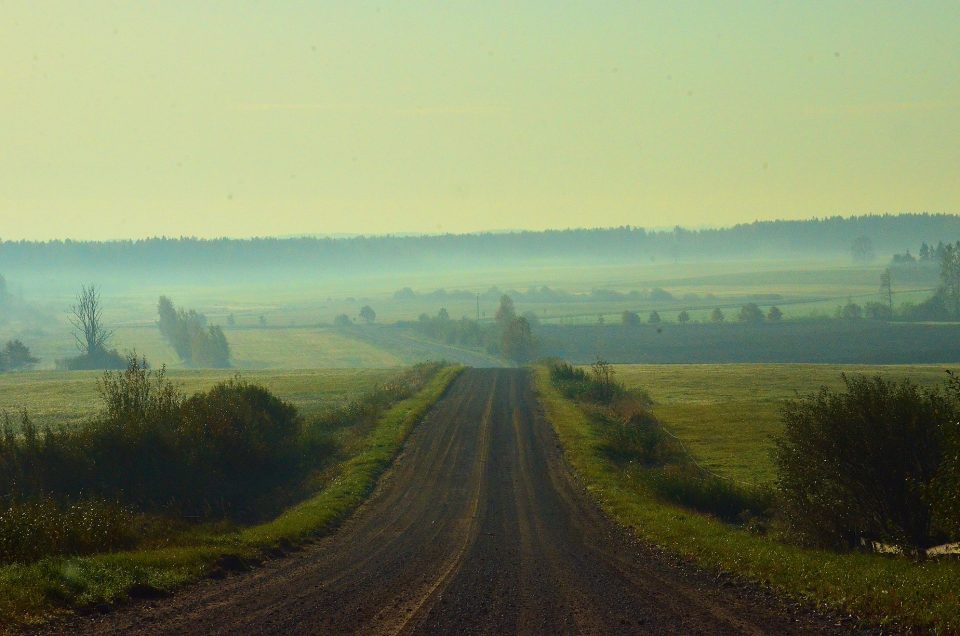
479, 528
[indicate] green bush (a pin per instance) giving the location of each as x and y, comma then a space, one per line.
640, 438
859, 466
598, 387
945, 489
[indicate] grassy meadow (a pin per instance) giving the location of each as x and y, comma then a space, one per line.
728, 414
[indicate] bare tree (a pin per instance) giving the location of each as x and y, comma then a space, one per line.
87, 321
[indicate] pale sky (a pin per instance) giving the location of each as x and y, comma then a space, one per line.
132, 119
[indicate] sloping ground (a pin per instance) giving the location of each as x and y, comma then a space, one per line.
479, 529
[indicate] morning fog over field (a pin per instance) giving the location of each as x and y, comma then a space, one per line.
548, 318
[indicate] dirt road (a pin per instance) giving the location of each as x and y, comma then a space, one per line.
478, 529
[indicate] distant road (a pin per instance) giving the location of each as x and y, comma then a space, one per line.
478, 529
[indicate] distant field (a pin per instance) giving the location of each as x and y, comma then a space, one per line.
65, 398
813, 341
728, 414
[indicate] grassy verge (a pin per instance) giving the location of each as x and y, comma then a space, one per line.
39, 591
878, 588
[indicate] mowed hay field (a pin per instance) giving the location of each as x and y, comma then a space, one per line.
56, 398
728, 414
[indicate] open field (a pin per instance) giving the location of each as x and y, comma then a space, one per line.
63, 398
728, 414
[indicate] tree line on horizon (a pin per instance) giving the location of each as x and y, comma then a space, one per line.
834, 236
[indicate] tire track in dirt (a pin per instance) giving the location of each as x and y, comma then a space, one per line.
479, 528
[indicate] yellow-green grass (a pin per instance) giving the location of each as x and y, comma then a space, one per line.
40, 591
881, 589
57, 398
728, 414
273, 347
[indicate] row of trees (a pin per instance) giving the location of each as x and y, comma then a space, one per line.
926, 254
749, 313
944, 304
196, 343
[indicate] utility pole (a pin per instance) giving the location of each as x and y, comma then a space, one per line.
887, 286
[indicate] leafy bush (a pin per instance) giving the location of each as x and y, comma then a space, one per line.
640, 438
858, 466
945, 489
214, 453
576, 384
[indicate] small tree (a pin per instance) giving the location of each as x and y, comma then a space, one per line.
683, 317
886, 288
774, 315
91, 334
851, 311
343, 320
368, 314
15, 356
862, 249
89, 331
517, 340
654, 318
443, 314
750, 313
629, 318
717, 315
506, 312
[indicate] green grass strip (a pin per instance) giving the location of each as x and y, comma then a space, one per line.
38, 592
883, 589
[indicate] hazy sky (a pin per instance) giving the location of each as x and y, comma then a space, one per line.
127, 119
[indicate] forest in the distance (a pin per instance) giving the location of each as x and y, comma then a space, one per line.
860, 237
